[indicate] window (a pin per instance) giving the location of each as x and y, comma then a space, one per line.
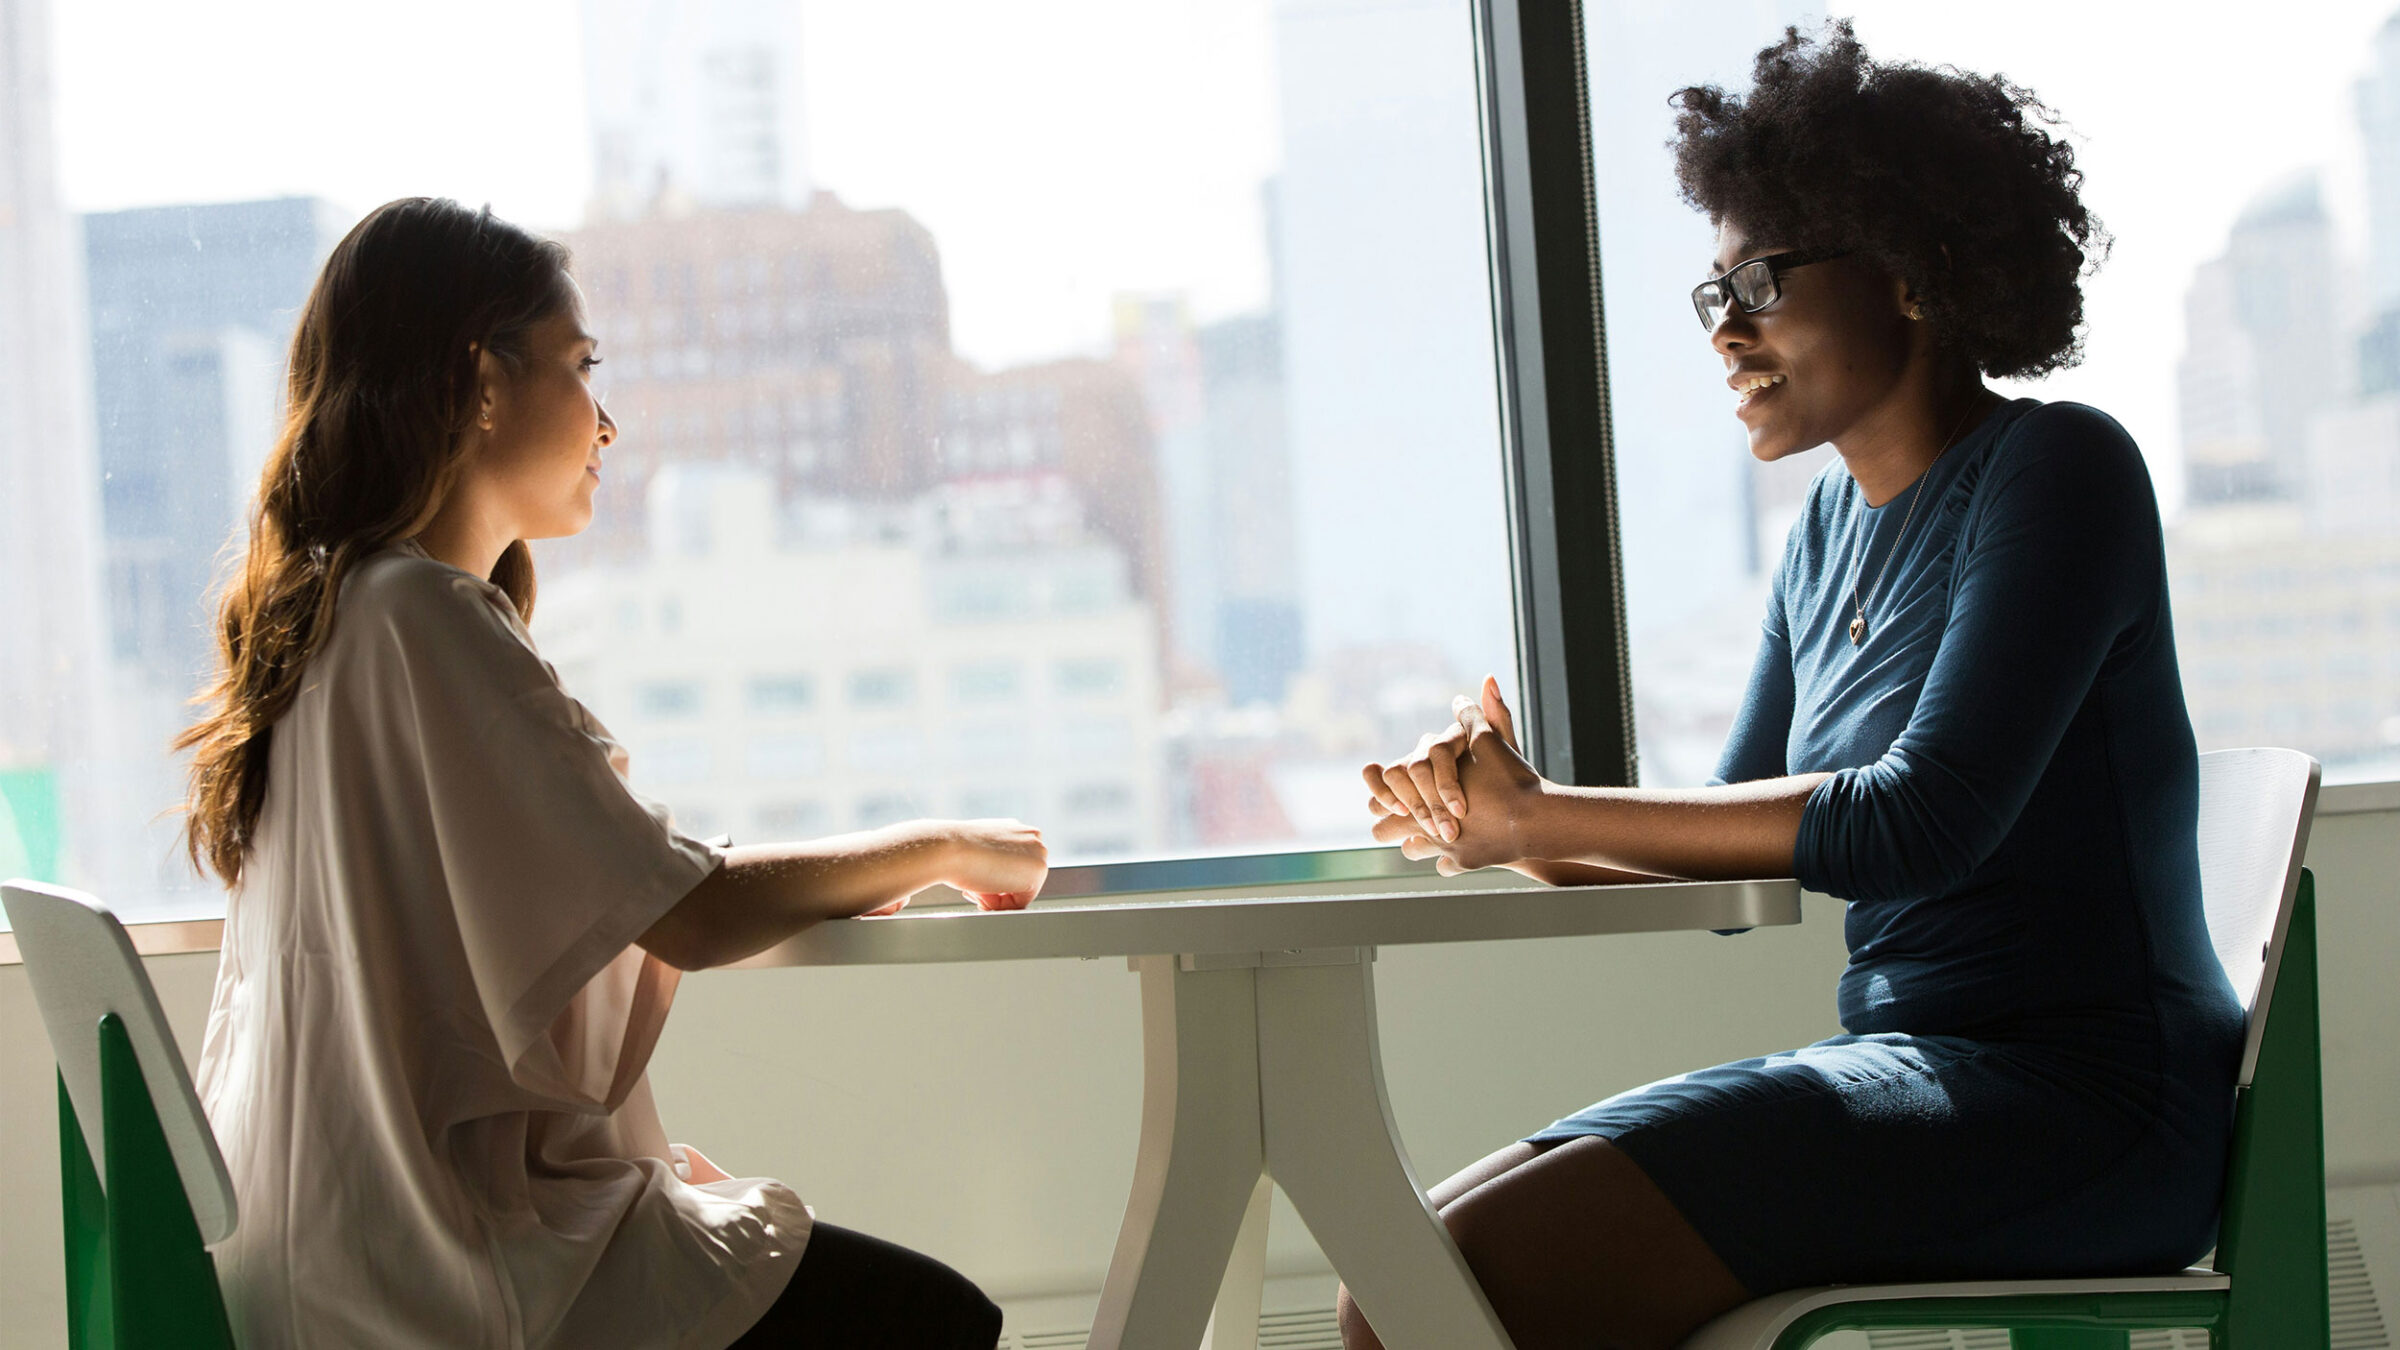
667, 698
986, 682
782, 695
1097, 798
1090, 678
883, 808
992, 803
889, 688
2221, 334
898, 406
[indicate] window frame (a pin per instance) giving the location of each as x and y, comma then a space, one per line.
1543, 258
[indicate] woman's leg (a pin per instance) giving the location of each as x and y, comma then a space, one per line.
855, 1292
1575, 1246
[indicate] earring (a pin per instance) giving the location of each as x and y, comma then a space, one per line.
487, 417
1915, 311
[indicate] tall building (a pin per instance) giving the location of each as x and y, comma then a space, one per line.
192, 310
814, 347
1256, 638
53, 788
1155, 345
2378, 104
693, 103
1074, 430
2262, 352
2285, 563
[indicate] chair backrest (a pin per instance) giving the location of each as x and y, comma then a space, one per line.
2255, 810
82, 966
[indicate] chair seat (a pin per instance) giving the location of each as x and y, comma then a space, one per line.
1755, 1325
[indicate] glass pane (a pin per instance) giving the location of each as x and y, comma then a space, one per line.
2245, 330
1088, 415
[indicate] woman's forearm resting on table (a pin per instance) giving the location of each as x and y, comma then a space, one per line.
1551, 872
1701, 834
764, 893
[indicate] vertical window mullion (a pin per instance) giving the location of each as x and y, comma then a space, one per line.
1556, 434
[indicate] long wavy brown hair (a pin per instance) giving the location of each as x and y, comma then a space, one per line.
382, 390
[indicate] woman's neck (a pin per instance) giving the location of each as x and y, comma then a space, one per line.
1893, 446
465, 533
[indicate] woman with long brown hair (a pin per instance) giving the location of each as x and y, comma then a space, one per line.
454, 931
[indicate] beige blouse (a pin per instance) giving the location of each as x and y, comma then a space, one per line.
425, 1055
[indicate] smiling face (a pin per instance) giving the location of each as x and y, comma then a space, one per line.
1825, 359
540, 457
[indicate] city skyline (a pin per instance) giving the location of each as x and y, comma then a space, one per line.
1243, 430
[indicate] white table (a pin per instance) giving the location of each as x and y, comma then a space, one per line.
1260, 1060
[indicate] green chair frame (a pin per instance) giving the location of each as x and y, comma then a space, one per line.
139, 1275
2271, 1243
2267, 1289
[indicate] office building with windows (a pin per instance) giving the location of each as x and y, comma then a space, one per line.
192, 310
779, 673
693, 103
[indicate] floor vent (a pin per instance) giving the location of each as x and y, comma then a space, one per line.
1047, 1340
1937, 1340
1306, 1329
2357, 1315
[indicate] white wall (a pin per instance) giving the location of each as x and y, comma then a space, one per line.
988, 1113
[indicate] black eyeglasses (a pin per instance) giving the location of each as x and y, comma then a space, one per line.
1753, 284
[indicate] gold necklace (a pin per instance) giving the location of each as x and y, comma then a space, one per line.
1858, 602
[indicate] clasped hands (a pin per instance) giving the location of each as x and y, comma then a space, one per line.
1465, 798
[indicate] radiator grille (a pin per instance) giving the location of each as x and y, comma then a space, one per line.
2357, 1320
1049, 1340
1304, 1329
1309, 1329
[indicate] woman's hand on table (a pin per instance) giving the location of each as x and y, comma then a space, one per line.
1423, 802
998, 864
1425, 786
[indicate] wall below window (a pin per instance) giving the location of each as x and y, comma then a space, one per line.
988, 1114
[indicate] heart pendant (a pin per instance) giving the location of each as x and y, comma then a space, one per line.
1858, 630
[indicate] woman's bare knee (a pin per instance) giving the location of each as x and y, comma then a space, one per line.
1580, 1241
1490, 1167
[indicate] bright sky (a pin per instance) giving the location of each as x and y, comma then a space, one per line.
1060, 152
1065, 151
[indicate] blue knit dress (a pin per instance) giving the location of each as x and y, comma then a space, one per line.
2038, 1073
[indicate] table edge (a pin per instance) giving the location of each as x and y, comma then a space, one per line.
1255, 923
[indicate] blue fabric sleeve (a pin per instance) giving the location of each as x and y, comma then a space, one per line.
1754, 748
2060, 556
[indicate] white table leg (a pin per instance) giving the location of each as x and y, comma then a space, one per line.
1331, 1145
1200, 1158
1234, 1325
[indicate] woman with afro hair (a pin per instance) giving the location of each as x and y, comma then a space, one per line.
1964, 719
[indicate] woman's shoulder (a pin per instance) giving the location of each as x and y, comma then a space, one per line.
2073, 445
405, 593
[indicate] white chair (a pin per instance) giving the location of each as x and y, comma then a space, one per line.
145, 1191
2267, 1288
